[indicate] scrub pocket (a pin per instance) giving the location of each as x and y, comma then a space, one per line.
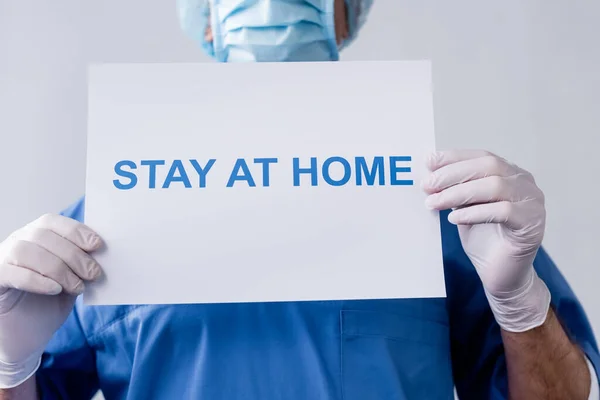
394, 357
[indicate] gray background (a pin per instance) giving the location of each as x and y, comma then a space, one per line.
516, 77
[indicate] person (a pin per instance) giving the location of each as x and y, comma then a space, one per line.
510, 326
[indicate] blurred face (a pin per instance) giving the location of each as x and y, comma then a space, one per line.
340, 22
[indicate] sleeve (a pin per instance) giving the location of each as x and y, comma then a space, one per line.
478, 359
68, 369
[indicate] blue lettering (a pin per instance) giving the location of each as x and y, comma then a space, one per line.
395, 169
202, 171
377, 169
125, 174
177, 167
152, 174
347, 171
265, 163
312, 171
240, 164
367, 173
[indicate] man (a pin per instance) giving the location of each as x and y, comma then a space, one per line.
510, 326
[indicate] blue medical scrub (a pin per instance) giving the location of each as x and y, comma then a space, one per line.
350, 350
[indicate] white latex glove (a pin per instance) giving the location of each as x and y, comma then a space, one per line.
43, 267
501, 218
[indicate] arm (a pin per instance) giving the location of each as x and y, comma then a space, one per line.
544, 364
36, 324
25, 391
506, 338
67, 369
491, 363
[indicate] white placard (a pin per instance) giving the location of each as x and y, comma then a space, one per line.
261, 182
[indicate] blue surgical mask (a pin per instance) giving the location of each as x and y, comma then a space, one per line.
273, 30
270, 30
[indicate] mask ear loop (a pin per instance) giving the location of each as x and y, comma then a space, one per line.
330, 29
351, 16
194, 20
217, 35
208, 39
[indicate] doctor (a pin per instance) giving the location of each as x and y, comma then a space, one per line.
510, 327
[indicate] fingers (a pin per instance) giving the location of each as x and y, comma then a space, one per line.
462, 178
513, 215
27, 280
36, 259
440, 159
482, 188
77, 233
499, 213
485, 190
80, 262
465, 171
50, 255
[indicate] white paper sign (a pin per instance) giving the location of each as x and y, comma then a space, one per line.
261, 182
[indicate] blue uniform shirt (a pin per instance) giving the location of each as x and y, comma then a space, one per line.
350, 350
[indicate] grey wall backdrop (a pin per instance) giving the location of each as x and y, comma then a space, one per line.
516, 77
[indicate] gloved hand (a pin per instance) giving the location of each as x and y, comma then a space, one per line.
501, 218
43, 267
